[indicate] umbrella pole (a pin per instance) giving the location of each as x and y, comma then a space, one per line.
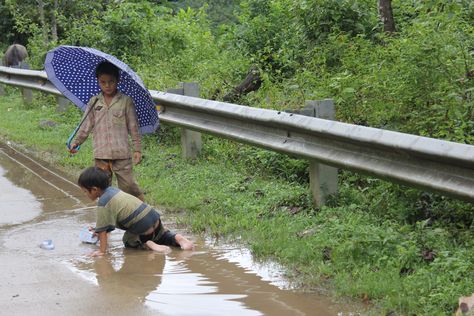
69, 140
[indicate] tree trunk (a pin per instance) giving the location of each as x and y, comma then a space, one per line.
54, 22
386, 15
251, 83
42, 19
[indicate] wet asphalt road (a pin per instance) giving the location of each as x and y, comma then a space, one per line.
38, 202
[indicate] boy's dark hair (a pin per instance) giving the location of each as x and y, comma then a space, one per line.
94, 177
107, 68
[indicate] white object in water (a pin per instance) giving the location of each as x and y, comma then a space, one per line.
86, 236
47, 244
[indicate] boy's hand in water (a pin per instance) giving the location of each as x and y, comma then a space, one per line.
92, 230
97, 253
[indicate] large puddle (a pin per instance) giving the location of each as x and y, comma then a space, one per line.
37, 203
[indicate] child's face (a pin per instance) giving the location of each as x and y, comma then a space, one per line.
107, 84
93, 193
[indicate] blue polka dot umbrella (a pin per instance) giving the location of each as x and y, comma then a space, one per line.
72, 71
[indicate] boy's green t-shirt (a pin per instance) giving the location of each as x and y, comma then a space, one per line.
116, 208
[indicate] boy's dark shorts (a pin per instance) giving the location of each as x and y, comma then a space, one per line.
161, 236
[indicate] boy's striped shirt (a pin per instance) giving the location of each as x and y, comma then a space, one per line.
116, 208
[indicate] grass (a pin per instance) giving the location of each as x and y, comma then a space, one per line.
394, 248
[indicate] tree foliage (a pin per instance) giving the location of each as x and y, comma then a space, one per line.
419, 81
219, 11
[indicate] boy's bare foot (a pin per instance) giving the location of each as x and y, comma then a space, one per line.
184, 243
158, 248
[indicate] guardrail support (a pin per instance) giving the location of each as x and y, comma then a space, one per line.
26, 93
322, 178
63, 104
2, 88
191, 141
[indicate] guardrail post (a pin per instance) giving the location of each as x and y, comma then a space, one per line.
26, 93
2, 88
63, 104
322, 178
191, 142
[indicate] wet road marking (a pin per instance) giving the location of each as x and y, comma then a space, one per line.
39, 176
40, 165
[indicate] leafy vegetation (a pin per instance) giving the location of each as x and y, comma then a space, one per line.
399, 249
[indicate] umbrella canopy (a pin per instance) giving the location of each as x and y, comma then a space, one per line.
72, 71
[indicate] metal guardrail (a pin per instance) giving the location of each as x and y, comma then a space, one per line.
25, 78
422, 162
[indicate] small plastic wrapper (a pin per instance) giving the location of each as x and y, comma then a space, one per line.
87, 236
47, 244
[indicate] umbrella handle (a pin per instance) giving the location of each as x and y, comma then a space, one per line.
69, 140
71, 137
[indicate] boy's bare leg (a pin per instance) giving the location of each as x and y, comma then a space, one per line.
184, 243
158, 248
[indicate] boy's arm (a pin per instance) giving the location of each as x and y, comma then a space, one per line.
103, 245
87, 125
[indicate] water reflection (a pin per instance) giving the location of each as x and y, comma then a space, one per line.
17, 205
130, 277
164, 284
184, 292
268, 271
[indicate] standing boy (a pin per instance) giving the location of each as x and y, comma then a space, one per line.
111, 120
115, 208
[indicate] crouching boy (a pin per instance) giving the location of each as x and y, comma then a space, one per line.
115, 208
